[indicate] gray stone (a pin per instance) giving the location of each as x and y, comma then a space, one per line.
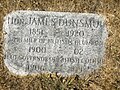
63, 42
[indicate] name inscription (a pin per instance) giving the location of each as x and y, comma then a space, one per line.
66, 43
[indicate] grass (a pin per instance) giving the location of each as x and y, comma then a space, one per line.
107, 78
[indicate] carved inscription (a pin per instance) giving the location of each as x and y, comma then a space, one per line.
66, 43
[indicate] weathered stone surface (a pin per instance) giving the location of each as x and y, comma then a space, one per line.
67, 43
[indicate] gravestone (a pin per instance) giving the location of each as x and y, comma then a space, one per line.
63, 42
